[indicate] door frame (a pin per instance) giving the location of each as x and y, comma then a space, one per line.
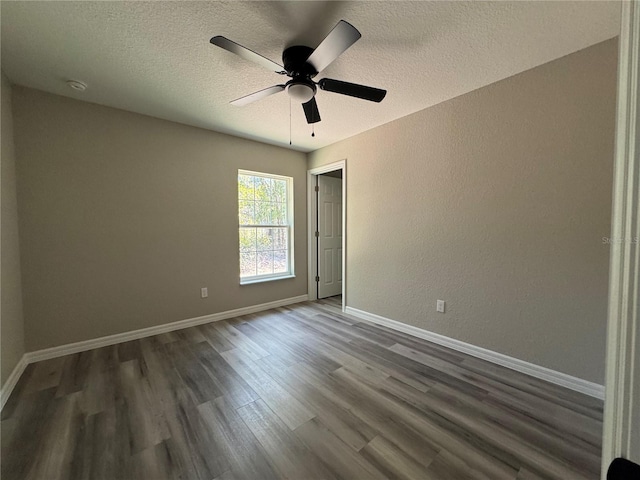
312, 217
621, 432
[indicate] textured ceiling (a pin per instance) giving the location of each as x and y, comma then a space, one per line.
155, 57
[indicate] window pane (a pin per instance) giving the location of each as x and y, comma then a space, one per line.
247, 239
246, 212
245, 187
280, 264
263, 187
278, 214
263, 213
270, 189
264, 239
279, 191
280, 239
265, 263
247, 264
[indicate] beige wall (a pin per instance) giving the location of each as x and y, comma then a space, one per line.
11, 322
125, 217
496, 202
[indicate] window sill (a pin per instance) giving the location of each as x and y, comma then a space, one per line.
262, 280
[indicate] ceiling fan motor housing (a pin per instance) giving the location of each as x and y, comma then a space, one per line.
295, 61
300, 88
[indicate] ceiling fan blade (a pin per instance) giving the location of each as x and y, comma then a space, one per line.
352, 89
311, 111
247, 54
339, 39
259, 95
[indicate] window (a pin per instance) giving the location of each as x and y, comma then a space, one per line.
265, 213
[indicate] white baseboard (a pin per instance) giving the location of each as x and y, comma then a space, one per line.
553, 376
59, 351
11, 382
62, 350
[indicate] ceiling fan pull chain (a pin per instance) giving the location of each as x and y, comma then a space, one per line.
313, 129
289, 120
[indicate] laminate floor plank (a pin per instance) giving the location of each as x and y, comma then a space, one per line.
335, 454
288, 455
231, 385
147, 423
513, 386
128, 351
270, 342
432, 374
26, 435
99, 453
164, 379
154, 463
45, 374
301, 392
191, 445
240, 341
588, 406
570, 445
445, 434
531, 433
447, 466
241, 449
346, 426
563, 418
303, 348
219, 342
526, 474
499, 438
330, 326
354, 349
391, 460
59, 440
191, 335
74, 373
287, 407
192, 372
421, 449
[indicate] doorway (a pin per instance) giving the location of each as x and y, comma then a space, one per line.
327, 232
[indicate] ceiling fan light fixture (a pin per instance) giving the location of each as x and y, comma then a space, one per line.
301, 91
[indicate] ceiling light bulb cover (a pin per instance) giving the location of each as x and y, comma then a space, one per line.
301, 92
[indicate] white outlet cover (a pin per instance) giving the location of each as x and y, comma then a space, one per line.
204, 292
440, 306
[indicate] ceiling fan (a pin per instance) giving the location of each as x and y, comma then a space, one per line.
302, 64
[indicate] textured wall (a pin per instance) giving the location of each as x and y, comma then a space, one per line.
11, 325
496, 202
124, 217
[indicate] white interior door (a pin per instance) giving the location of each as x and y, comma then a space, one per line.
329, 236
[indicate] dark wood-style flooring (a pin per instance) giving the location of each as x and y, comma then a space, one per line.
301, 392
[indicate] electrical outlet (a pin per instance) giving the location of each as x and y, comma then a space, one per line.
440, 306
204, 292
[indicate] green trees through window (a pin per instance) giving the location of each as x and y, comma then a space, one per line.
265, 225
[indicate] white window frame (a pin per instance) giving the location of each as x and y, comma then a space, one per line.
290, 216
